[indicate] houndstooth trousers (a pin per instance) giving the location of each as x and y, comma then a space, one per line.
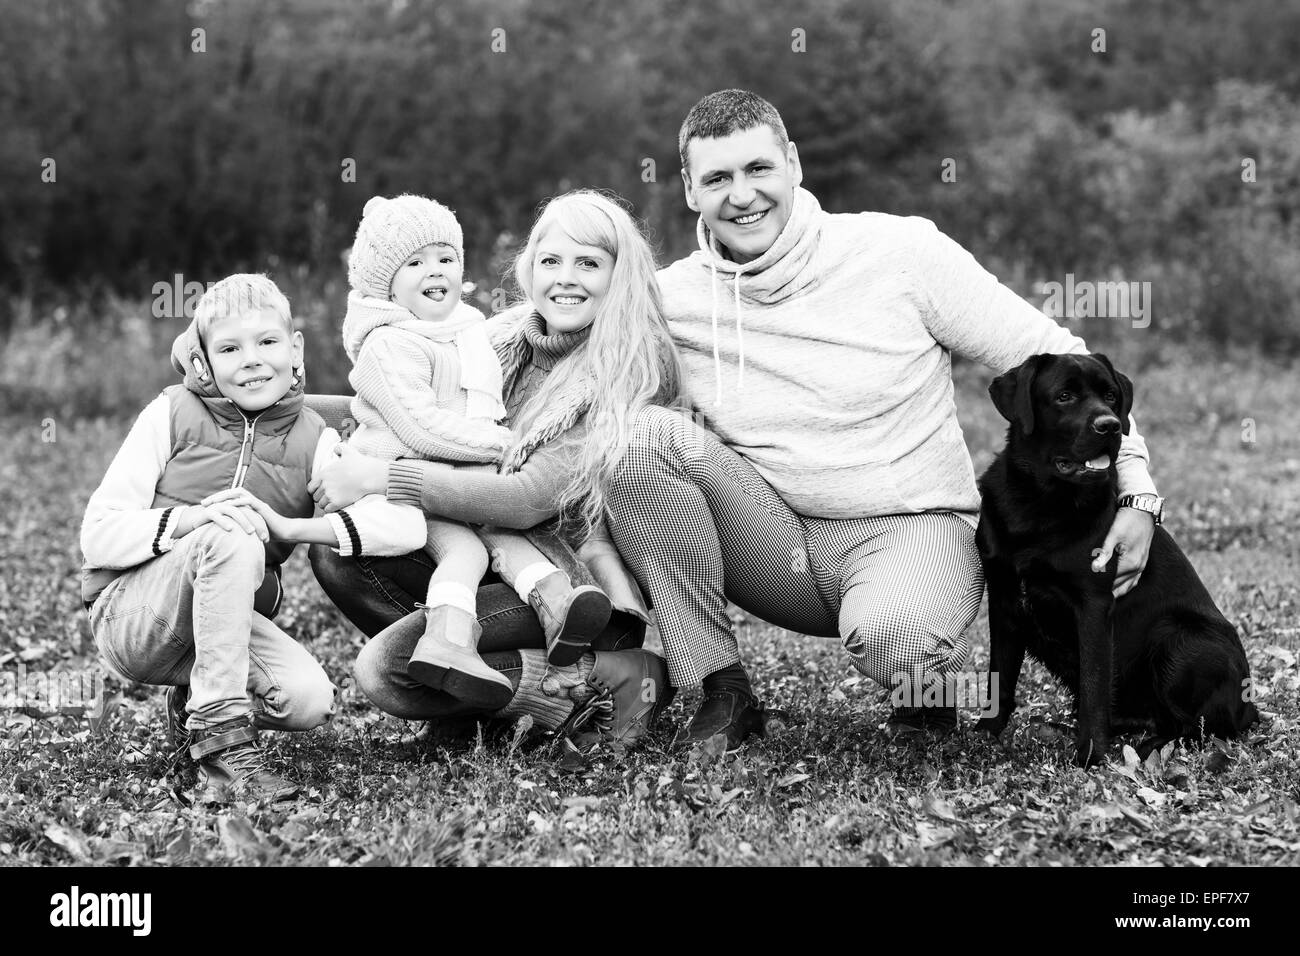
698, 527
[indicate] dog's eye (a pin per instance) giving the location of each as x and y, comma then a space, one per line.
1110, 398
1065, 397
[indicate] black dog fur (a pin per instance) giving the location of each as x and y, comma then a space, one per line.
1162, 657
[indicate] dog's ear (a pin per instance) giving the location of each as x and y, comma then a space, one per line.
1125, 390
1013, 393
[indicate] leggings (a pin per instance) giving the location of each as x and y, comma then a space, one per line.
698, 526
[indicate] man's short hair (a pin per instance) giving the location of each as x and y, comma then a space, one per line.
725, 112
237, 295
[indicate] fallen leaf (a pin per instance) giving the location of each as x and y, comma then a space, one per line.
940, 808
76, 843
1176, 774
1135, 817
708, 751
1274, 650
932, 836
791, 780
1152, 798
240, 839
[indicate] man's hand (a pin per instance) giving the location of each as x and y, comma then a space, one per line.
275, 525
1130, 537
348, 476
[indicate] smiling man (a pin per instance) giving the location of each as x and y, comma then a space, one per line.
825, 485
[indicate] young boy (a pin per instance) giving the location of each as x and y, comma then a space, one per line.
184, 537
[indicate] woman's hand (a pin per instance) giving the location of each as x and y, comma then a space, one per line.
272, 524
346, 477
1130, 536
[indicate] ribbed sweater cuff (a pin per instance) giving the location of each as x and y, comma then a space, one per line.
405, 484
345, 530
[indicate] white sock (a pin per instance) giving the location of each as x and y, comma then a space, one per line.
453, 594
529, 576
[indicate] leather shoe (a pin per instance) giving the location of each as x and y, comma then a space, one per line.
915, 721
733, 713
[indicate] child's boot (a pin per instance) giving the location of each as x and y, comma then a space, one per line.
571, 617
447, 659
230, 759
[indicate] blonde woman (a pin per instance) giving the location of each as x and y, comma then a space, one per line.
580, 356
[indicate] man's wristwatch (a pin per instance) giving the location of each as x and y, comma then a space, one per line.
1153, 505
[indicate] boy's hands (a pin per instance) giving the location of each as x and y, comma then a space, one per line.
244, 503
226, 516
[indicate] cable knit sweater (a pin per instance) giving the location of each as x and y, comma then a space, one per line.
826, 362
412, 398
526, 497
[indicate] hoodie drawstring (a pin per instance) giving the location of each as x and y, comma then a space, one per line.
717, 361
740, 341
740, 337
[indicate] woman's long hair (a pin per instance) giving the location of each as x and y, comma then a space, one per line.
628, 357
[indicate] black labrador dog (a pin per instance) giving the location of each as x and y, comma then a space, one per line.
1162, 657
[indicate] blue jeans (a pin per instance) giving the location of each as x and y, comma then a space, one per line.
186, 617
378, 595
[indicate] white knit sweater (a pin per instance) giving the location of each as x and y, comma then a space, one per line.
826, 362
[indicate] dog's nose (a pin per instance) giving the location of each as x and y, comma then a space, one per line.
1105, 425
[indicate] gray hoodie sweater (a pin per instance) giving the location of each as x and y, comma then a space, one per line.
826, 362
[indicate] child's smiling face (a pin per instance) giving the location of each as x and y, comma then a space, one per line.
252, 355
428, 283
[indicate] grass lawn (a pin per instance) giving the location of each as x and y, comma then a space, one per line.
829, 789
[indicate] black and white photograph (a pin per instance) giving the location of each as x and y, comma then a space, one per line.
754, 434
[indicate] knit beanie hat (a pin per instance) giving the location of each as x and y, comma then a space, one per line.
392, 229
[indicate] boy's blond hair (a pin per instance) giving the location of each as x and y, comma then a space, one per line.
236, 295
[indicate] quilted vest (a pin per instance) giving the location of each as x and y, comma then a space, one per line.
214, 446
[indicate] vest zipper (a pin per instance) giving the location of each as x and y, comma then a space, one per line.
241, 469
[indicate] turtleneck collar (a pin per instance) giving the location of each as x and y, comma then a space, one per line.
785, 269
549, 349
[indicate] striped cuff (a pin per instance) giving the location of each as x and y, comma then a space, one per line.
405, 484
162, 539
345, 530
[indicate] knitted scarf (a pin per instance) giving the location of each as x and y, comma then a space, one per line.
569, 406
480, 373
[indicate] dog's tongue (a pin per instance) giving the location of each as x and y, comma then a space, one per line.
1100, 463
